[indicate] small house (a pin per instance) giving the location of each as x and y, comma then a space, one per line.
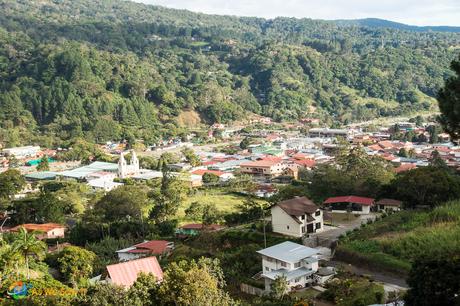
44, 231
147, 248
350, 204
296, 217
295, 262
125, 274
389, 204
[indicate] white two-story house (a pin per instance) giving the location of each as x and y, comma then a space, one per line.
296, 262
296, 217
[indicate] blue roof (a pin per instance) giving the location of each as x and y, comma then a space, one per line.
288, 251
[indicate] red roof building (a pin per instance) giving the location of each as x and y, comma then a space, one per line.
405, 167
125, 274
146, 248
44, 231
201, 172
353, 204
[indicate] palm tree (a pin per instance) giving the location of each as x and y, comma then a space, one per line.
27, 245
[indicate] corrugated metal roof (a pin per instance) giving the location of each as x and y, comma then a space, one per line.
350, 199
288, 251
125, 273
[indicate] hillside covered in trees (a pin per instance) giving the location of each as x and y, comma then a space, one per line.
112, 69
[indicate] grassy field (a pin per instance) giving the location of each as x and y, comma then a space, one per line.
226, 201
394, 241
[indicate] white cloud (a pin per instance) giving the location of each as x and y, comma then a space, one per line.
416, 12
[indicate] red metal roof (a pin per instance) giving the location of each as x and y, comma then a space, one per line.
350, 199
125, 273
153, 246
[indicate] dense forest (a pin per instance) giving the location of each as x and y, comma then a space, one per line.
112, 69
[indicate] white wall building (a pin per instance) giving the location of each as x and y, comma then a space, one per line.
124, 169
296, 262
296, 217
22, 152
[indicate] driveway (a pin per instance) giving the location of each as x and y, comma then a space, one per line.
332, 233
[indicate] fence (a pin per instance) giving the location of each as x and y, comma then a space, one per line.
251, 290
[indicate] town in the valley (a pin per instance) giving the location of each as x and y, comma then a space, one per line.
244, 181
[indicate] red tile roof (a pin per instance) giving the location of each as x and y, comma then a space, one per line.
125, 273
263, 163
405, 167
203, 171
350, 199
308, 163
46, 227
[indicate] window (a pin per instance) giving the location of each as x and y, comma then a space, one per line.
303, 229
287, 227
267, 269
318, 213
303, 217
297, 265
283, 264
318, 225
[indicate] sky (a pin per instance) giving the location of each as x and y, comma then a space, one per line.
414, 12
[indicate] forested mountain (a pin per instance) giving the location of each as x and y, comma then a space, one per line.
106, 69
382, 23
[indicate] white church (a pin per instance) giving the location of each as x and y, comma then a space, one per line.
127, 170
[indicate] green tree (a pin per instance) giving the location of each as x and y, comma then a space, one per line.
355, 173
192, 283
76, 264
44, 164
244, 144
434, 281
123, 203
436, 161
210, 178
448, 100
279, 288
211, 214
195, 211
28, 245
167, 197
11, 182
144, 291
105, 295
191, 157
426, 186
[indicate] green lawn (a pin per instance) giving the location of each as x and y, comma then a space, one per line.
226, 201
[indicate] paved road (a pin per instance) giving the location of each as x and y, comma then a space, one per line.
390, 281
